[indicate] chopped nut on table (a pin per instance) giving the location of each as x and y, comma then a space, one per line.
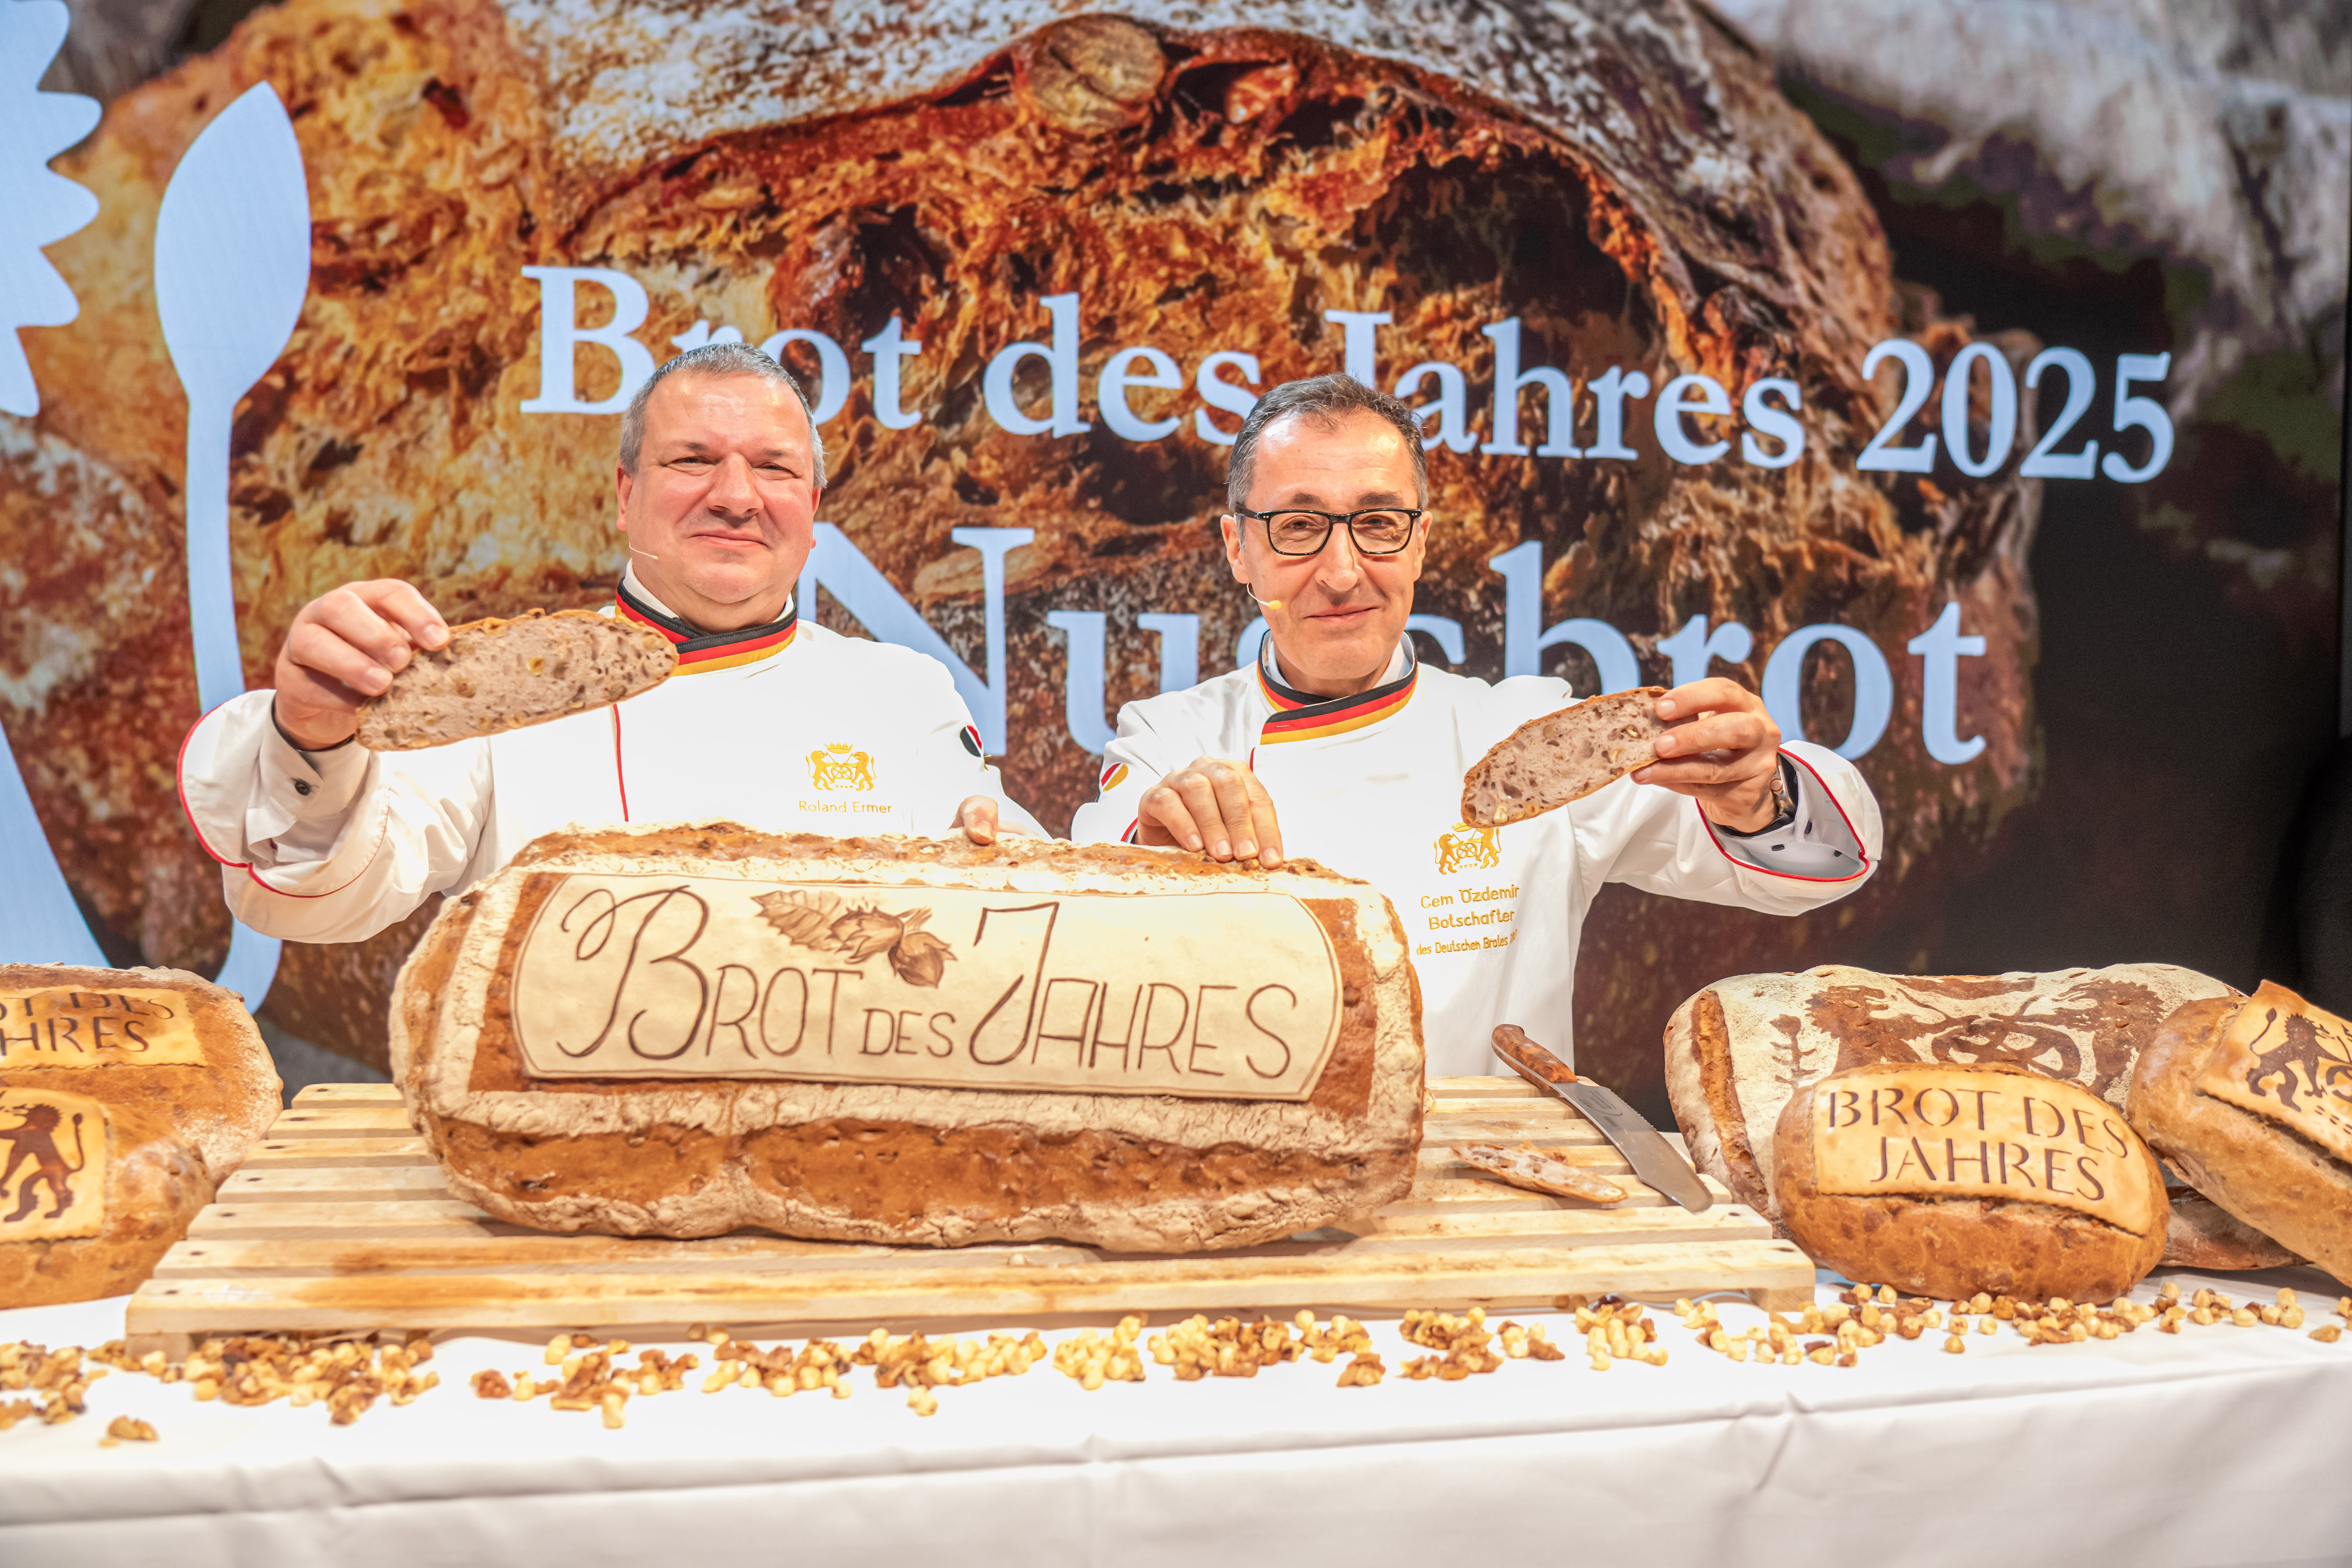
1094, 1359
124, 1429
923, 1365
1196, 1348
1465, 1340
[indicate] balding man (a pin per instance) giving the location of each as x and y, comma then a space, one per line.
1336, 744
771, 721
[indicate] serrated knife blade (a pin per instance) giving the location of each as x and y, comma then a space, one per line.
1653, 1158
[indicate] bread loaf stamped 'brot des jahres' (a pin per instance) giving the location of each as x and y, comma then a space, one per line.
681, 1029
163, 1041
2250, 1100
126, 1097
1946, 1180
1738, 1049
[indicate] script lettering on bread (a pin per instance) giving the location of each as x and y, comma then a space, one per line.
1957, 1134
53, 1181
71, 1026
2284, 1059
1212, 995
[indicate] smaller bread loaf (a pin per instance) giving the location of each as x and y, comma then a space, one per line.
161, 1041
2203, 1235
91, 1194
1946, 1181
1562, 757
2250, 1100
1737, 1050
496, 675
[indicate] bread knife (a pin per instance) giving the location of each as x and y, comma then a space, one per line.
1653, 1158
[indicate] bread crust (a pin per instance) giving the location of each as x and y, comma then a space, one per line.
1736, 1050
1951, 1247
2203, 1235
2270, 1177
154, 1183
1560, 758
221, 1106
496, 675
891, 1162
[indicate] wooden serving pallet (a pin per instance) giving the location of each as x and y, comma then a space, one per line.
340, 1221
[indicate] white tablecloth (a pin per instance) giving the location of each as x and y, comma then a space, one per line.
2215, 1446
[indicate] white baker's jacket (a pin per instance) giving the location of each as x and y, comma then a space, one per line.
1372, 786
787, 727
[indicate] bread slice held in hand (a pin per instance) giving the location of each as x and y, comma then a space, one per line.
1547, 763
497, 675
1529, 1167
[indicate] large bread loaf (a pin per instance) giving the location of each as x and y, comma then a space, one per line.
681, 1029
2251, 1100
161, 1041
1737, 1052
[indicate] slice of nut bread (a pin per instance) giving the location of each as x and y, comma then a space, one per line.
496, 675
1549, 762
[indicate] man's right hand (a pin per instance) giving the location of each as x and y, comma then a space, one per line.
343, 648
1215, 805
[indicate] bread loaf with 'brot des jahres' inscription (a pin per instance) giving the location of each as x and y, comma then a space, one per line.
681, 1029
1945, 1180
1737, 1050
158, 1041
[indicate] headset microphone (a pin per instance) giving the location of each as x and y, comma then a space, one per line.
1270, 603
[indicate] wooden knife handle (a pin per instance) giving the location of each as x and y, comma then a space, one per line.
1512, 1043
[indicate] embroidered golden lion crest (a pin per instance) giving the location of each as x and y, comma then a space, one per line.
1464, 847
837, 766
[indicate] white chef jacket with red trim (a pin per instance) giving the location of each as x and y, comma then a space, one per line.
787, 727
1371, 785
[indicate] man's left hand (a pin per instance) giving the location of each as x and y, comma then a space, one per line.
1723, 751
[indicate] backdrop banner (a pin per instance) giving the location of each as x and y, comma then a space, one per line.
1966, 379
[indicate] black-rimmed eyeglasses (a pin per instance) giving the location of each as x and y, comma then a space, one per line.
1375, 530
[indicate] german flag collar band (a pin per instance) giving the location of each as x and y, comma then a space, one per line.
701, 651
1299, 717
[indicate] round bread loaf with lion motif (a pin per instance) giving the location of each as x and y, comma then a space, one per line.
1947, 1179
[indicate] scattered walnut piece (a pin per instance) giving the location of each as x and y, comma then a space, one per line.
124, 1429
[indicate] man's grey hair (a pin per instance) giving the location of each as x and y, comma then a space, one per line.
715, 359
1325, 399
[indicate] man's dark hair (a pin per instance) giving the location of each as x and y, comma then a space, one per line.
1327, 399
714, 359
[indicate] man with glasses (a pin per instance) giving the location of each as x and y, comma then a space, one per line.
1337, 745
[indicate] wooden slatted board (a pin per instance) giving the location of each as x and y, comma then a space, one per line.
340, 1221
